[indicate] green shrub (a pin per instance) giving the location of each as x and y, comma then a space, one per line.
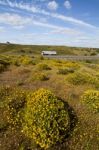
4, 92
91, 98
82, 78
3, 65
39, 77
21, 60
70, 64
12, 100
43, 67
77, 78
65, 71
26, 60
46, 119
16, 101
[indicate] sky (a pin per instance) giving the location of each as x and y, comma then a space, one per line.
50, 22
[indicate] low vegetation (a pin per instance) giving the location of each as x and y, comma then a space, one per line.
43, 67
48, 104
91, 98
79, 78
37, 76
46, 119
66, 71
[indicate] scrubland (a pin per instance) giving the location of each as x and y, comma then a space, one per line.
31, 77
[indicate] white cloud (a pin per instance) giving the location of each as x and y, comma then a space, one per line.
53, 5
67, 4
14, 19
34, 9
57, 29
18, 22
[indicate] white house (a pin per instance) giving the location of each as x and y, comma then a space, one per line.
49, 53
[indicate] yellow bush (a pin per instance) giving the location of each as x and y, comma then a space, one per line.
70, 64
17, 100
91, 98
26, 60
13, 100
78, 78
46, 119
43, 67
37, 76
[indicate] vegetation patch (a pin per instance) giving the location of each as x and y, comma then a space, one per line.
3, 65
91, 98
46, 119
79, 78
37, 76
13, 100
66, 71
43, 67
16, 102
70, 64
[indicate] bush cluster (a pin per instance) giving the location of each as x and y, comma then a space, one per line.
26, 60
21, 60
91, 98
79, 78
66, 71
13, 100
37, 76
43, 67
16, 101
46, 121
70, 64
5, 91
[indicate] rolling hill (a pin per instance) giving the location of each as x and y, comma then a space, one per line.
36, 49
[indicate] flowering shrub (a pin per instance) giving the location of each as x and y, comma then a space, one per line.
91, 98
43, 67
37, 76
79, 78
12, 100
16, 101
21, 60
70, 64
26, 60
46, 119
4, 92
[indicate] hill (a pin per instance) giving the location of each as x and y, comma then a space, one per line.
36, 49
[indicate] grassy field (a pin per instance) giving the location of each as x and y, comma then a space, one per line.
76, 83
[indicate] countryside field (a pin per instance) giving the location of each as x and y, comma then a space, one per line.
25, 75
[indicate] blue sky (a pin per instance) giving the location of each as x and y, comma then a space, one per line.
50, 22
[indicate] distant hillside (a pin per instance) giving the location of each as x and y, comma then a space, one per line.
34, 49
